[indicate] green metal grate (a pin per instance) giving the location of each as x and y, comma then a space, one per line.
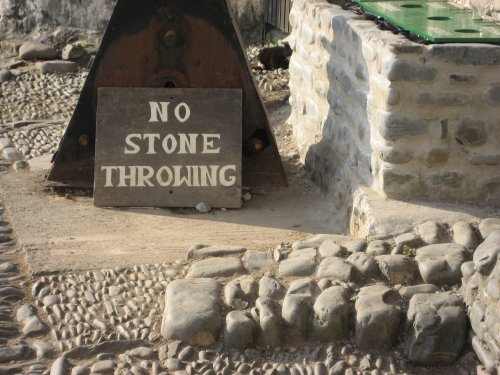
438, 22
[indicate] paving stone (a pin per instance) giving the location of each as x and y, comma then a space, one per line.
103, 367
377, 247
73, 52
300, 265
355, 245
258, 261
467, 54
243, 289
215, 267
440, 264
60, 366
398, 269
57, 67
408, 239
336, 268
436, 329
298, 308
36, 51
14, 353
142, 353
364, 264
464, 235
33, 326
430, 232
408, 292
5, 75
80, 370
192, 311
330, 249
270, 287
216, 251
331, 315
240, 330
267, 314
486, 255
378, 315
487, 226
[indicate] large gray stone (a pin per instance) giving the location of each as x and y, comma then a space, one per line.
14, 353
464, 235
467, 54
5, 75
364, 264
36, 51
60, 366
258, 261
377, 247
435, 328
299, 265
471, 133
242, 289
402, 70
440, 264
336, 268
240, 331
378, 315
215, 267
331, 249
398, 269
486, 226
270, 287
192, 311
486, 254
331, 315
73, 52
215, 251
430, 232
298, 307
267, 314
57, 67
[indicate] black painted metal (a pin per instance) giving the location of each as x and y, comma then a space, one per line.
276, 13
168, 43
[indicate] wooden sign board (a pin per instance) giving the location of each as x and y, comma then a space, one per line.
168, 147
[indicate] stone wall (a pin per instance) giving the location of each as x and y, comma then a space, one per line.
370, 108
481, 282
20, 17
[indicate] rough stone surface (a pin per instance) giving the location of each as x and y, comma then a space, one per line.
435, 328
192, 311
298, 308
57, 67
364, 264
440, 264
464, 235
214, 267
5, 75
487, 226
36, 51
300, 265
258, 261
398, 269
378, 316
331, 315
240, 330
336, 268
486, 254
215, 251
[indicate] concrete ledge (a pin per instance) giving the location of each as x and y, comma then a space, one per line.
375, 216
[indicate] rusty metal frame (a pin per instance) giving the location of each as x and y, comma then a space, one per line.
168, 43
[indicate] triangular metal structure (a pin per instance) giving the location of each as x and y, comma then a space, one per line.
169, 43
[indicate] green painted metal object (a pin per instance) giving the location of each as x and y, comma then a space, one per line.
438, 22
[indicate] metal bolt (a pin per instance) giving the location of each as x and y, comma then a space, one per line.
84, 140
170, 38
